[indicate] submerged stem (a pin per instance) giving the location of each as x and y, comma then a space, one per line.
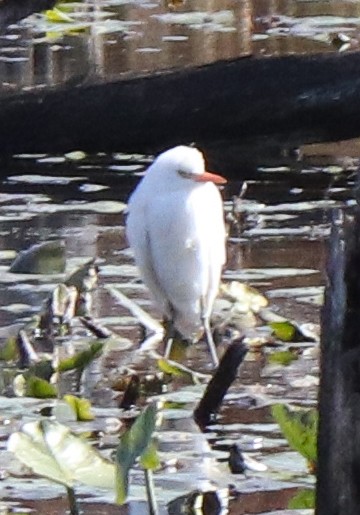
150, 492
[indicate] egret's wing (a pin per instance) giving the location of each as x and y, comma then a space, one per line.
137, 231
186, 240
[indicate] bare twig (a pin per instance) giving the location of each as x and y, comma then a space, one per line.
220, 383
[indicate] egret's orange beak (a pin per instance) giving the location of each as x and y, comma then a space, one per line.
210, 177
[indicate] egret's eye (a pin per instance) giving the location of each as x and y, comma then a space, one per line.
186, 175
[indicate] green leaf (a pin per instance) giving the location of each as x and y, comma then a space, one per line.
52, 451
132, 444
304, 499
176, 369
81, 407
284, 357
81, 359
300, 429
40, 388
57, 16
150, 458
9, 352
173, 368
285, 331
173, 405
168, 367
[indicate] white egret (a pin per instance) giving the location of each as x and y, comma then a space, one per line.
176, 229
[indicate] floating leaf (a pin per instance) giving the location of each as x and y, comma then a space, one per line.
9, 352
76, 155
52, 451
300, 429
304, 499
284, 357
132, 444
55, 15
285, 331
81, 407
81, 359
43, 258
40, 388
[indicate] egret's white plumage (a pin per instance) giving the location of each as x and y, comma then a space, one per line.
176, 229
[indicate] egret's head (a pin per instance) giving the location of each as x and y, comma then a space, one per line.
185, 163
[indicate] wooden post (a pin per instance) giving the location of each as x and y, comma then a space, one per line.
338, 480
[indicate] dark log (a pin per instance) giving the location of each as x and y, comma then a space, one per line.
294, 98
338, 484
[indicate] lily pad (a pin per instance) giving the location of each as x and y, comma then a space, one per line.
285, 357
43, 258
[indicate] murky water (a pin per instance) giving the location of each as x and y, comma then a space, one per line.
107, 39
279, 248
277, 242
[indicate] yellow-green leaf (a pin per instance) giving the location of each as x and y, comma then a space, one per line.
81, 407
9, 352
170, 367
57, 16
150, 458
40, 388
81, 359
283, 357
176, 369
285, 331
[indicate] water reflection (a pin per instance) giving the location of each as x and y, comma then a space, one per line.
105, 40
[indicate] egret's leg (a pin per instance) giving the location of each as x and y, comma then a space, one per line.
169, 332
168, 337
210, 342
208, 336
